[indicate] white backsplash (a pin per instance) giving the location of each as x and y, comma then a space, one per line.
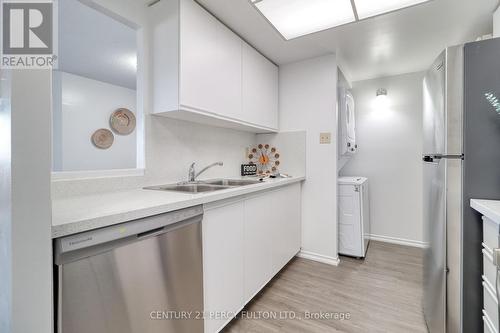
171, 146
292, 149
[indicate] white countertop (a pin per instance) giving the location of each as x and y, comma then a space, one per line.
489, 208
82, 213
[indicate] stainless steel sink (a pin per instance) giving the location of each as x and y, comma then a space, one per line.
204, 186
231, 182
189, 188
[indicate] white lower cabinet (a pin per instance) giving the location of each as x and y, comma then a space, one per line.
245, 243
259, 221
282, 219
272, 235
223, 271
287, 235
491, 232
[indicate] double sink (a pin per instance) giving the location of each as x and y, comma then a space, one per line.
204, 186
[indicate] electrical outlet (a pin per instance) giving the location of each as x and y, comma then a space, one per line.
325, 138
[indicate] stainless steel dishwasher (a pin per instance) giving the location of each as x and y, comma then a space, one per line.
143, 276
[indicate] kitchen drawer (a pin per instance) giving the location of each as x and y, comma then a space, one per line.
490, 304
490, 233
489, 270
487, 324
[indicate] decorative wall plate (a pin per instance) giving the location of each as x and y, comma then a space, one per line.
266, 158
103, 138
122, 121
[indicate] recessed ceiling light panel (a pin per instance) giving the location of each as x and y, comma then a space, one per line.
369, 8
295, 18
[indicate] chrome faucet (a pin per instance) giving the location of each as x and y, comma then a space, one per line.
193, 175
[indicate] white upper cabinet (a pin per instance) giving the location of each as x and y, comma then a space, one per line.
228, 76
198, 58
203, 72
260, 88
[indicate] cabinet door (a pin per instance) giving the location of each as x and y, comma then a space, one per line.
258, 237
198, 57
227, 86
260, 88
223, 272
287, 225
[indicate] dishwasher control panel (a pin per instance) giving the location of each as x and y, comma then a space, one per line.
124, 230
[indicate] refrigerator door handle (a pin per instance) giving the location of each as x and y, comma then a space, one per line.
434, 158
440, 156
428, 159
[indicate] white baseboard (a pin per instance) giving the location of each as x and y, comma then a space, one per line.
399, 241
319, 258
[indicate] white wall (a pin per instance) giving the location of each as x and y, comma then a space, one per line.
308, 102
389, 154
95, 45
82, 106
31, 245
496, 23
170, 145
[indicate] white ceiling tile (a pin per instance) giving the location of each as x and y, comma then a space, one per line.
295, 18
369, 8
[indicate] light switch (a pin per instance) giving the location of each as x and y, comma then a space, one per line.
325, 138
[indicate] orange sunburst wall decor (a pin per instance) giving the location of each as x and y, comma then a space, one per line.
266, 158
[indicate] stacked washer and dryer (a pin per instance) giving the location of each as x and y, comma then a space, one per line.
347, 146
352, 195
348, 125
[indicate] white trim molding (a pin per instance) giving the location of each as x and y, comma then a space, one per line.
399, 241
334, 261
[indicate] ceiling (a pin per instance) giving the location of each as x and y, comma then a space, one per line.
95, 45
400, 42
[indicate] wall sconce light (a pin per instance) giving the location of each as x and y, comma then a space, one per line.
381, 101
381, 92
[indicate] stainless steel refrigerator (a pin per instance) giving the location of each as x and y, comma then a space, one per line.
461, 161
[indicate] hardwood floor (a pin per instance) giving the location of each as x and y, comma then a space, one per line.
379, 294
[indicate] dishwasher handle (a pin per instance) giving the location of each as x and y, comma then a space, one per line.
150, 233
